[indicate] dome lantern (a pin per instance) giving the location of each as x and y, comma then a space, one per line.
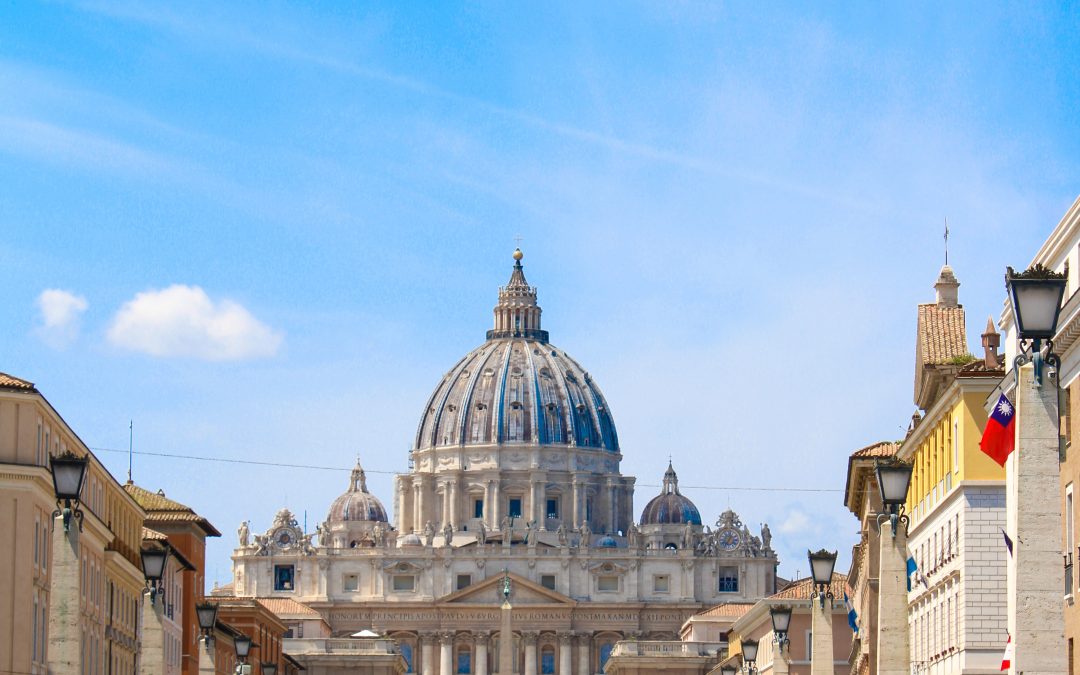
517, 315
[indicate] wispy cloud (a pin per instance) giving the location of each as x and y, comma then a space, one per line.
59, 314
42, 140
183, 321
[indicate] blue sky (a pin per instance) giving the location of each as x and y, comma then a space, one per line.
275, 226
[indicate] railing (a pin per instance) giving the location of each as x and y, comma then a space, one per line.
671, 648
339, 646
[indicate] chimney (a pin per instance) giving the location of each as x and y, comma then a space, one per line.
947, 288
991, 340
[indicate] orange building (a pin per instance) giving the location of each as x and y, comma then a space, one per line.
186, 532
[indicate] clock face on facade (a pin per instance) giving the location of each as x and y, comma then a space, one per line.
284, 538
729, 539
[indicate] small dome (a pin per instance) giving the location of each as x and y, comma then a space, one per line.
357, 504
670, 507
411, 539
607, 541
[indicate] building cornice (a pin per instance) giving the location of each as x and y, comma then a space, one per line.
953, 395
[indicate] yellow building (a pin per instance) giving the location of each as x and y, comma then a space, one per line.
956, 501
105, 581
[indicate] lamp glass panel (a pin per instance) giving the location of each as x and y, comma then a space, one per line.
893, 482
727, 670
749, 650
269, 668
153, 562
821, 567
781, 619
1036, 306
68, 477
243, 646
207, 614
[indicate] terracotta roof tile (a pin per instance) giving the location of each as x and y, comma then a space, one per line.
153, 535
880, 449
160, 508
941, 334
801, 589
735, 609
287, 608
12, 382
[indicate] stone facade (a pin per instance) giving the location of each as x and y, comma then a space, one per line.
515, 475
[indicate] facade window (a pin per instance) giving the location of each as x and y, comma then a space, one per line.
478, 508
351, 583
729, 580
552, 508
464, 660
588, 509
547, 661
404, 582
284, 577
605, 654
407, 654
661, 583
1066, 414
607, 583
547, 581
515, 507
463, 581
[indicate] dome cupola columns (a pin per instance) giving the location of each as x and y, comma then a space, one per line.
517, 315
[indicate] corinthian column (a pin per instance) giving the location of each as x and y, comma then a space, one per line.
565, 655
584, 661
446, 653
481, 667
530, 653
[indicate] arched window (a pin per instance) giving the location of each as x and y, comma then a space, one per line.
670, 546
547, 660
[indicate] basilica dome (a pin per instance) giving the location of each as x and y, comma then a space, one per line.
517, 387
670, 507
357, 504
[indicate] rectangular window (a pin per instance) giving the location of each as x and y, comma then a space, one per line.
283, 577
1066, 413
661, 583
552, 508
464, 661
464, 581
478, 508
351, 583
729, 579
515, 507
548, 581
404, 582
607, 583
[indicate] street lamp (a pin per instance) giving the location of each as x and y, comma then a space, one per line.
1036, 295
749, 654
728, 670
781, 621
242, 643
207, 614
68, 472
153, 563
821, 569
893, 478
269, 669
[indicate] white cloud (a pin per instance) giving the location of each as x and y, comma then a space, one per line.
796, 522
182, 321
59, 320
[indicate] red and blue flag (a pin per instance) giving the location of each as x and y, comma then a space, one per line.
999, 438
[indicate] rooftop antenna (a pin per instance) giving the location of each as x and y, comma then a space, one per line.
131, 440
946, 240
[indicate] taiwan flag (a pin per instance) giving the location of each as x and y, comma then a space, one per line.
998, 439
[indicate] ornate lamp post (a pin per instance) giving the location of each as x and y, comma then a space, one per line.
153, 563
242, 644
893, 634
821, 570
1034, 574
749, 654
207, 613
781, 622
68, 472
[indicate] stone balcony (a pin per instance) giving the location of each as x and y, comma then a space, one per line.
341, 656
638, 657
672, 648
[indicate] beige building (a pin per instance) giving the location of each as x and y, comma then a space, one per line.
863, 499
515, 474
1061, 253
95, 575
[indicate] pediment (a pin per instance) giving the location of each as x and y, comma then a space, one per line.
489, 592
